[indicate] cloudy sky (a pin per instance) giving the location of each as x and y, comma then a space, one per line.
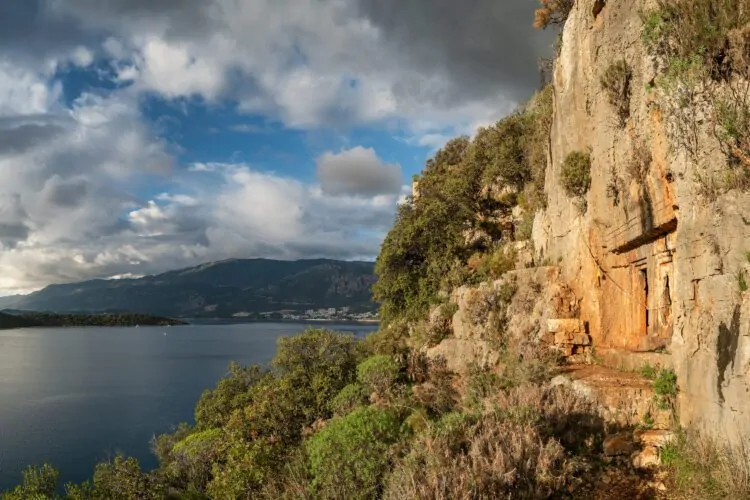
138, 136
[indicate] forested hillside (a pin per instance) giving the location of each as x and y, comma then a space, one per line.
216, 290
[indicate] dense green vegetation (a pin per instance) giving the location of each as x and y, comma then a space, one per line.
28, 319
575, 177
462, 194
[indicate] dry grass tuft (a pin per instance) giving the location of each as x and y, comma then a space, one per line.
616, 83
703, 468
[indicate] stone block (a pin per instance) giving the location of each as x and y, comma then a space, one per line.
655, 438
568, 332
646, 458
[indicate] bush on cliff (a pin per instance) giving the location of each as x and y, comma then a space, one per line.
378, 374
575, 177
350, 456
616, 83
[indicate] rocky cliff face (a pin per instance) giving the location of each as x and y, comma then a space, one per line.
656, 264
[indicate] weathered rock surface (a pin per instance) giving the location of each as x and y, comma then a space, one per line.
462, 355
653, 437
646, 458
623, 398
482, 319
655, 267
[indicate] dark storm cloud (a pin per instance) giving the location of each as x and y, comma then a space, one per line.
184, 17
316, 250
357, 172
480, 45
26, 136
13, 218
66, 193
12, 234
34, 30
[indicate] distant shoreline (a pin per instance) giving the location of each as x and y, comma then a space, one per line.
228, 321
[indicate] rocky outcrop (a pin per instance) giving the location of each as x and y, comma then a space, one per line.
514, 309
655, 264
624, 398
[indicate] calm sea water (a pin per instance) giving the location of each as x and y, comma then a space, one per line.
73, 397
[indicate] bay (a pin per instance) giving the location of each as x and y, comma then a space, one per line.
75, 396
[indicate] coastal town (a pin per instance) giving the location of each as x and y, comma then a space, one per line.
323, 314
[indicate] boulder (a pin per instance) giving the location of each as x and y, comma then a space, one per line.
618, 444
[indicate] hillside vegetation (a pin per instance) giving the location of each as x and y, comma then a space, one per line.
452, 233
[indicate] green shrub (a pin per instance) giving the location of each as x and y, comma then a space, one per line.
493, 264
537, 148
191, 459
742, 281
665, 388
378, 374
122, 479
463, 189
525, 227
426, 243
480, 385
349, 457
350, 397
649, 372
575, 177
665, 383
506, 291
616, 84
501, 150
686, 28
317, 364
39, 483
310, 370
232, 392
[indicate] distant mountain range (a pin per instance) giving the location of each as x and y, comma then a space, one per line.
245, 287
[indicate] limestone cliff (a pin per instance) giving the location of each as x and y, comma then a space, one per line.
656, 264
